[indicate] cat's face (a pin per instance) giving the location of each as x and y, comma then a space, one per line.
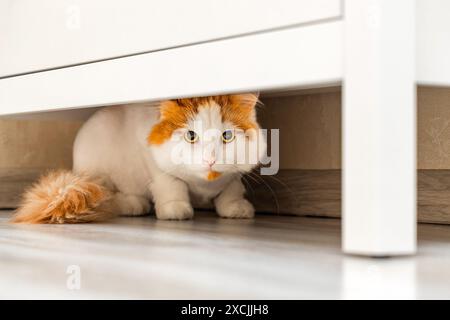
208, 137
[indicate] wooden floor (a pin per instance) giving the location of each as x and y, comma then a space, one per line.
270, 257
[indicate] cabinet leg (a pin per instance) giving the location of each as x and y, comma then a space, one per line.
379, 128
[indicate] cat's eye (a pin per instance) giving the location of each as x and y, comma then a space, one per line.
228, 136
190, 136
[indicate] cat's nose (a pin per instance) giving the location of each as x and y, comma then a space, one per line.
209, 162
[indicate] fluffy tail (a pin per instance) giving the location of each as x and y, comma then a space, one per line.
64, 197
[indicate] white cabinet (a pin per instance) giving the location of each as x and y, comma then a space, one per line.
84, 53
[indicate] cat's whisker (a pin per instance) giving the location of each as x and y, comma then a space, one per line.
255, 180
244, 177
284, 184
248, 185
270, 189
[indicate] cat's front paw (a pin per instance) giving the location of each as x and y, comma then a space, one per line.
175, 210
240, 209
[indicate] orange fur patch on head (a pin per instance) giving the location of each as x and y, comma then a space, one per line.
237, 109
241, 111
173, 117
213, 175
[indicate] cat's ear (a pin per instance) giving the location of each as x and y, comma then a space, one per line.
245, 99
167, 106
172, 117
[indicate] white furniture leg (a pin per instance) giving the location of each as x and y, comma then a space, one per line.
379, 128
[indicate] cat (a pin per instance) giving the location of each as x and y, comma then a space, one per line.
172, 155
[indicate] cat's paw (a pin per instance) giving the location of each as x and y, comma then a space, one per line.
131, 205
240, 209
175, 210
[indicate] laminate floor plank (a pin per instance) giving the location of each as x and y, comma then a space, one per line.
270, 257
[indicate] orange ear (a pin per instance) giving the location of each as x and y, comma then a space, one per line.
245, 99
173, 117
241, 110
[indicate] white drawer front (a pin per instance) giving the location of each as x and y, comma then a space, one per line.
38, 35
300, 57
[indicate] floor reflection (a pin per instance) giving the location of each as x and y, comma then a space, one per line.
373, 278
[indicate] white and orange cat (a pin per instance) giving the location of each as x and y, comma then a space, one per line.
174, 155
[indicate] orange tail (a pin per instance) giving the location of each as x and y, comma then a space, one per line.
63, 197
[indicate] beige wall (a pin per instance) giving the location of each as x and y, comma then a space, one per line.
36, 143
434, 128
310, 129
309, 123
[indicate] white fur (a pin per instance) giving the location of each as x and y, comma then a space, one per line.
113, 144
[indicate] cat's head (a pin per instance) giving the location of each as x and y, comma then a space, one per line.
208, 137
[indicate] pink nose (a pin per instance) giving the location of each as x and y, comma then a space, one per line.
209, 162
